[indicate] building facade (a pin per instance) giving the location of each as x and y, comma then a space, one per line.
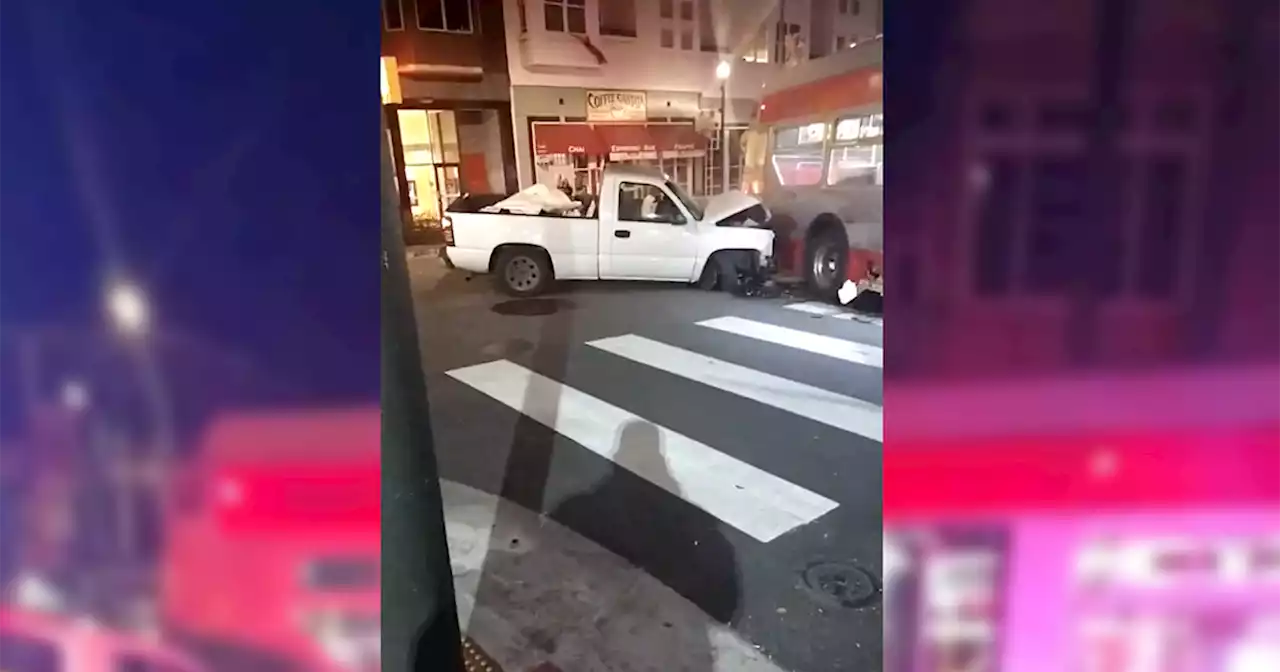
991, 260
448, 103
595, 81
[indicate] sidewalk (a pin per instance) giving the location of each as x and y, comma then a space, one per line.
531, 592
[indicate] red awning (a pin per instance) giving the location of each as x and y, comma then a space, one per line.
566, 139
677, 138
627, 139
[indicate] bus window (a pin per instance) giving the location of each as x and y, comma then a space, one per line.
797, 154
856, 164
857, 151
27, 654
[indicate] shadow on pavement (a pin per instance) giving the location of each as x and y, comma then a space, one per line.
688, 553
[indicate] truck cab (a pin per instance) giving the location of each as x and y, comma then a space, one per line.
642, 226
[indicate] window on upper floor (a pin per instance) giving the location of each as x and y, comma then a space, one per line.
783, 45
1032, 205
520, 13
707, 36
851, 7
758, 50
618, 17
678, 18
450, 16
566, 16
393, 14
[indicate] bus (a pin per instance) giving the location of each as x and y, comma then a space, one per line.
815, 156
251, 576
1108, 537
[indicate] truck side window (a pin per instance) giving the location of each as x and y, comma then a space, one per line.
646, 203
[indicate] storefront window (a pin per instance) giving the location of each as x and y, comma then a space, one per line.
431, 162
944, 591
714, 169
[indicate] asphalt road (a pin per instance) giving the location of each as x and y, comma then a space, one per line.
738, 463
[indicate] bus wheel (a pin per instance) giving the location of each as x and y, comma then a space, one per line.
826, 264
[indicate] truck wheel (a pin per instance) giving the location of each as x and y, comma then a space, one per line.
826, 263
710, 279
726, 264
523, 272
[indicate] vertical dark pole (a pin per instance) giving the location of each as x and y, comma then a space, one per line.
724, 137
392, 114
419, 615
1229, 155
779, 39
1112, 23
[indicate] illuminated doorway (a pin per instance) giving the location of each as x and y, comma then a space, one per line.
432, 163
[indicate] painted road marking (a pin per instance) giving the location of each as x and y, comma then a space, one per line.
815, 308
739, 494
849, 351
852, 415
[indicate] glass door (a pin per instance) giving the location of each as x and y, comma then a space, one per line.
448, 185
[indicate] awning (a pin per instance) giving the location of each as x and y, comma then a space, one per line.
627, 141
555, 138
678, 140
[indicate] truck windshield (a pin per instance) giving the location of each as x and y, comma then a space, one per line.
689, 204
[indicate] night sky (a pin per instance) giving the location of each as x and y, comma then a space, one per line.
225, 154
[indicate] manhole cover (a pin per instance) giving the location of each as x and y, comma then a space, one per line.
841, 584
531, 307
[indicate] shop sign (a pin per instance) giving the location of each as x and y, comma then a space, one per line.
616, 105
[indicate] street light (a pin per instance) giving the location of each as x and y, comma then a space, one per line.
128, 309
75, 395
723, 70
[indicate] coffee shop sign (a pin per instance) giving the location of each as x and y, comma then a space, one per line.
616, 105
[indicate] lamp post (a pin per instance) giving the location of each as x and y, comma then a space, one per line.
129, 314
723, 70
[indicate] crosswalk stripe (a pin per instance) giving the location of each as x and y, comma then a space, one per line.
847, 413
739, 494
814, 308
849, 351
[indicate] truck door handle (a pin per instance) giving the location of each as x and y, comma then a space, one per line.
621, 234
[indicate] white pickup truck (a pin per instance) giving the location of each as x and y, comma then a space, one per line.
642, 227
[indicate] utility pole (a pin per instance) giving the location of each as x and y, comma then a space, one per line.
419, 611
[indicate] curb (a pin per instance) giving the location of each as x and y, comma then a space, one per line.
415, 251
533, 592
475, 659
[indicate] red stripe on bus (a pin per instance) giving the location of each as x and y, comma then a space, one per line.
853, 89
